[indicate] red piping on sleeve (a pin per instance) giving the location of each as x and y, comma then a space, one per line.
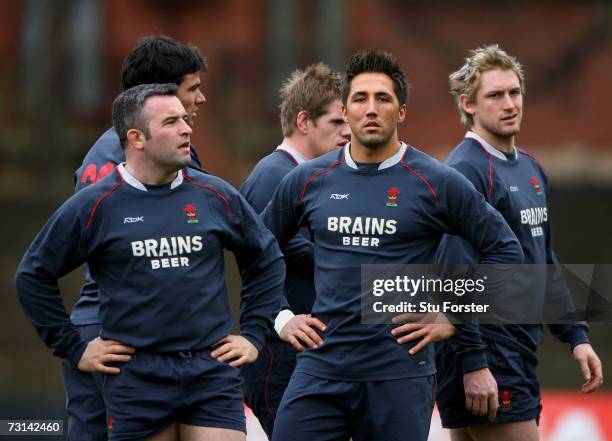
311, 180
214, 190
99, 201
425, 181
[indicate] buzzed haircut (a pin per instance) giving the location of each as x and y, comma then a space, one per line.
160, 59
376, 61
466, 80
311, 90
128, 108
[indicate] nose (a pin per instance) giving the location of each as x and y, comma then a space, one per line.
508, 102
371, 109
185, 129
200, 98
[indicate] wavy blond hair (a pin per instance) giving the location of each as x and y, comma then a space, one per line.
466, 80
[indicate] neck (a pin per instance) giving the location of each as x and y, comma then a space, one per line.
502, 143
361, 153
299, 143
150, 175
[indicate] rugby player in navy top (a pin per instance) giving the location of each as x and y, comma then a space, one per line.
312, 124
155, 59
487, 373
396, 204
160, 280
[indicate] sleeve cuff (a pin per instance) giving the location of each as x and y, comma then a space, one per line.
578, 336
474, 360
75, 355
282, 319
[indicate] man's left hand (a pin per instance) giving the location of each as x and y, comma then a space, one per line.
590, 366
429, 328
236, 348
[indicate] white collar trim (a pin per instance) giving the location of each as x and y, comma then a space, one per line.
131, 180
293, 152
488, 147
389, 162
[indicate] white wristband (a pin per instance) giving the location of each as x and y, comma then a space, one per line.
282, 319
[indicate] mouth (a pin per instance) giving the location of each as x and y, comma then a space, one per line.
184, 145
510, 118
371, 126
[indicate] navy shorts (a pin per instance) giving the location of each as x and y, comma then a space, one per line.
266, 379
327, 410
517, 384
155, 390
84, 403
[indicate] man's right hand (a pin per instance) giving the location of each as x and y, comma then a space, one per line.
481, 393
99, 353
301, 330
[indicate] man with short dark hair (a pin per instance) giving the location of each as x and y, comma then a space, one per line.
161, 280
312, 125
361, 382
155, 59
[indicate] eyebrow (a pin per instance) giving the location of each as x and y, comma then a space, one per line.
174, 117
378, 93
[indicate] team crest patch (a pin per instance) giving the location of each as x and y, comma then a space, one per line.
505, 397
536, 185
393, 192
191, 214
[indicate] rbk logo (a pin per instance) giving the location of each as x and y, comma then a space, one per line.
133, 220
339, 196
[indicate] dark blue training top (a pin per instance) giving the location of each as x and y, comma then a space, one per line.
100, 161
517, 188
299, 252
157, 255
393, 214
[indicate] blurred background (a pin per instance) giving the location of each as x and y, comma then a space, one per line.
60, 64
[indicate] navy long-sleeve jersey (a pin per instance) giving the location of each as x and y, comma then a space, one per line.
393, 213
157, 255
99, 162
299, 252
517, 187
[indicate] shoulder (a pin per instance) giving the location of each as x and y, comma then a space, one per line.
272, 165
106, 148
469, 154
523, 155
322, 164
439, 178
101, 159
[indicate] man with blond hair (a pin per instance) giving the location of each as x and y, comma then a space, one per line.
312, 124
487, 386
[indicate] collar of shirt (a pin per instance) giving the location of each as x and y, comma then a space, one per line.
488, 147
389, 162
299, 158
131, 180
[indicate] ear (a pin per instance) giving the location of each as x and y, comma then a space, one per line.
402, 113
467, 105
135, 138
301, 122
